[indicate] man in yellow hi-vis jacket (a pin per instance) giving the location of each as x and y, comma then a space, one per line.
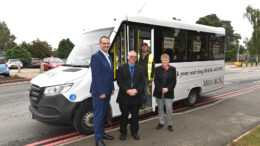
145, 59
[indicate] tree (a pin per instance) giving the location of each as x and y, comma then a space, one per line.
6, 38
210, 20
64, 48
253, 15
19, 53
40, 49
231, 38
25, 45
232, 53
249, 46
174, 18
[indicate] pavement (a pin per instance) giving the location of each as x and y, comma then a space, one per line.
216, 124
27, 73
233, 68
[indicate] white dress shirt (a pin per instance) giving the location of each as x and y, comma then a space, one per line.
107, 57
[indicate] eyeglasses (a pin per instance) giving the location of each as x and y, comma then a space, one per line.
105, 43
132, 56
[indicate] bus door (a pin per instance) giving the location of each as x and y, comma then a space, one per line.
118, 53
137, 35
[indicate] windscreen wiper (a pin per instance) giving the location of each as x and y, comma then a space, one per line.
72, 65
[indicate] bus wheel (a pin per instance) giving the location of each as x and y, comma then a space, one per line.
83, 120
192, 98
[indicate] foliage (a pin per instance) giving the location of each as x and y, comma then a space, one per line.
64, 48
210, 20
18, 53
232, 38
39, 49
6, 38
249, 46
253, 15
242, 50
231, 54
174, 18
25, 45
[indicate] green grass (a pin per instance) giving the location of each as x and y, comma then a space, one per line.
251, 139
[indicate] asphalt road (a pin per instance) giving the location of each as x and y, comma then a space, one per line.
17, 127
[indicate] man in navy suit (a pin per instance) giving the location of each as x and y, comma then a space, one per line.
102, 87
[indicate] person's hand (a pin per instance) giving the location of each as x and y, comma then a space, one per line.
151, 80
112, 92
133, 92
128, 92
102, 96
164, 90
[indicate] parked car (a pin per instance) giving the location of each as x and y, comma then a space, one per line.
35, 62
52, 62
14, 63
4, 70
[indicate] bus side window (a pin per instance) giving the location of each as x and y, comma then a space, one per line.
171, 41
216, 47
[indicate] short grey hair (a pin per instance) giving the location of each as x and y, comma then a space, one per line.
164, 55
131, 51
103, 37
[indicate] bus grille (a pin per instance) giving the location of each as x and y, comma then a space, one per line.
35, 93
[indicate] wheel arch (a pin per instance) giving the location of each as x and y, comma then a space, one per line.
198, 90
81, 104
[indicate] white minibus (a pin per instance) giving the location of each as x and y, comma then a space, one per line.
61, 95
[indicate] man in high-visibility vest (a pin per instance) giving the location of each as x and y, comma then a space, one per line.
145, 59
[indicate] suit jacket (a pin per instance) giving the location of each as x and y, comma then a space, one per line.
170, 82
124, 83
102, 75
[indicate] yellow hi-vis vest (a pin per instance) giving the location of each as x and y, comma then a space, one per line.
149, 65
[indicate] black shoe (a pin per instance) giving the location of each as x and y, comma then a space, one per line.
136, 136
122, 137
170, 128
107, 137
100, 143
159, 126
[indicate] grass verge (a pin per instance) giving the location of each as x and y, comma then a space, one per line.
250, 139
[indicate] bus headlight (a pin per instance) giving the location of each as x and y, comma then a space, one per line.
59, 89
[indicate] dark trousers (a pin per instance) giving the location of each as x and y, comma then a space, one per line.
100, 107
125, 110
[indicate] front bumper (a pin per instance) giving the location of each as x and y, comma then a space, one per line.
4, 71
51, 109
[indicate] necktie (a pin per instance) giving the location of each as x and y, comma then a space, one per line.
132, 75
110, 61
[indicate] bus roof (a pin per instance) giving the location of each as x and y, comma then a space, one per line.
175, 24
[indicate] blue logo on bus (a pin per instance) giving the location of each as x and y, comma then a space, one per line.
73, 97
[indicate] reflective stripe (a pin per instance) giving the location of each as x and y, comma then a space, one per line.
149, 65
150, 61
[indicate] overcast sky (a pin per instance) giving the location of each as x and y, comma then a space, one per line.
54, 20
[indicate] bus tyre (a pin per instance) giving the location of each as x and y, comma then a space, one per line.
192, 98
83, 119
